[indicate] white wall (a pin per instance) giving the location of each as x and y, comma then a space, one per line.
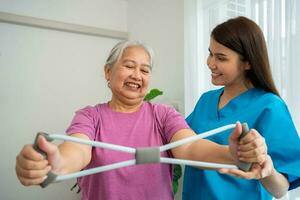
159, 23
46, 75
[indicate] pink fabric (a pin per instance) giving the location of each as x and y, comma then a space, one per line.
153, 125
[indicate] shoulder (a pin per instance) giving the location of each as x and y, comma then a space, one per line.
212, 93
163, 113
91, 110
271, 108
209, 97
269, 100
158, 107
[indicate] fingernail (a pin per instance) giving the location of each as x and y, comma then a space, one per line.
45, 177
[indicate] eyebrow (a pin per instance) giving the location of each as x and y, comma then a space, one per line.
218, 54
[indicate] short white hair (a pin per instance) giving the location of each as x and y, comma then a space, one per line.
118, 50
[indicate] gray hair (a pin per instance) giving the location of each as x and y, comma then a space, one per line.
118, 50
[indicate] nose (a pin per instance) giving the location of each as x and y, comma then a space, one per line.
211, 62
137, 74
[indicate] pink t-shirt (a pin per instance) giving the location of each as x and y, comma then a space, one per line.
153, 125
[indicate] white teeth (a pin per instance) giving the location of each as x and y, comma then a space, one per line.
215, 74
132, 85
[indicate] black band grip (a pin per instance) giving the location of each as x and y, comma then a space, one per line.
50, 176
244, 165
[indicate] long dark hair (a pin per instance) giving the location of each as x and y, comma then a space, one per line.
244, 36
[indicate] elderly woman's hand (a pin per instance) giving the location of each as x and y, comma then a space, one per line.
251, 148
31, 167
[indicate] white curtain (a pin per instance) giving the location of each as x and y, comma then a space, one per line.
280, 22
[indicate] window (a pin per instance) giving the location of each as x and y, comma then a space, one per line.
280, 22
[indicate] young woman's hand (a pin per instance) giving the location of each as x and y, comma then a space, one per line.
257, 171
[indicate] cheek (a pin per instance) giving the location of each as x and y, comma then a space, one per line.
146, 81
207, 61
120, 75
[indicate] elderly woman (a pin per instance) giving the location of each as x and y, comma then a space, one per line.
127, 120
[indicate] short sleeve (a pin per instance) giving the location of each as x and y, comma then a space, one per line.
170, 121
282, 139
199, 108
83, 122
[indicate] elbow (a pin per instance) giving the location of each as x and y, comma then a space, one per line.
280, 193
182, 152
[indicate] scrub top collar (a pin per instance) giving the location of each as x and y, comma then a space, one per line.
239, 103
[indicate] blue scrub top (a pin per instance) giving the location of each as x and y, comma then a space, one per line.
263, 111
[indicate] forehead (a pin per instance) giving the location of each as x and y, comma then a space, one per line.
131, 51
216, 47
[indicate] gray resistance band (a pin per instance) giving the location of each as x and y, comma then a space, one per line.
142, 155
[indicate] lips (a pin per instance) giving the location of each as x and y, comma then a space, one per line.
215, 74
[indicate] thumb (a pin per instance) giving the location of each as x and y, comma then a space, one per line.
236, 132
47, 147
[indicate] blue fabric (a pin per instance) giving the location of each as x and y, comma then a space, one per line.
263, 111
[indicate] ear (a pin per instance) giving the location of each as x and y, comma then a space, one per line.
247, 65
107, 72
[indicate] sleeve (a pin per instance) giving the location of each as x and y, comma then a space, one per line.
282, 139
189, 118
198, 108
83, 122
171, 121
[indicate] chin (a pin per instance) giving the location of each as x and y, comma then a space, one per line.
216, 83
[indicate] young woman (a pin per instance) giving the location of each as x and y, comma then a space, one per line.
238, 60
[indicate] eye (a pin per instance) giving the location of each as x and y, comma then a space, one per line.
221, 58
129, 66
145, 71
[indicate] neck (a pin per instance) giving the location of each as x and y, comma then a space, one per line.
231, 92
119, 106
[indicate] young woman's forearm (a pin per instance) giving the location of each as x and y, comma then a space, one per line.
276, 184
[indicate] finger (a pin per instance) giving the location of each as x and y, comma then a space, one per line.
236, 132
252, 135
25, 163
32, 174
240, 174
29, 153
237, 173
252, 153
255, 143
28, 182
46, 146
259, 159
